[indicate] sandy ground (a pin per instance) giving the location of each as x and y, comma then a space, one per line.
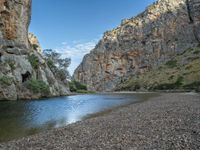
170, 121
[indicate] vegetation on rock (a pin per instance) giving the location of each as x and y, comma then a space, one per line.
58, 64
76, 86
34, 61
171, 63
170, 86
35, 47
193, 86
37, 86
180, 73
11, 63
5, 80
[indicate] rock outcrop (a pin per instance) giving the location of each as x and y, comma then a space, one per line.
15, 17
139, 44
35, 44
181, 73
24, 73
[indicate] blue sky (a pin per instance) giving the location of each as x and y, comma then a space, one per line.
73, 27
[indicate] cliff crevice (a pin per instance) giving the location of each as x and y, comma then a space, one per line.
193, 7
189, 11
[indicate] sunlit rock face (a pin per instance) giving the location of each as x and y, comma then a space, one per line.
24, 73
14, 21
34, 42
141, 43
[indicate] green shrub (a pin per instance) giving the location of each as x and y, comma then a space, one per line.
37, 86
7, 81
51, 64
76, 86
34, 61
136, 86
130, 85
80, 86
72, 87
179, 81
171, 77
165, 86
85, 92
82, 91
11, 63
35, 46
193, 58
188, 67
170, 86
171, 63
193, 86
196, 52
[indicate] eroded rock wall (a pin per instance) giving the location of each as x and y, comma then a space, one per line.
15, 17
141, 43
24, 73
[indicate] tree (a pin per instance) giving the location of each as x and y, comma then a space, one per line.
58, 64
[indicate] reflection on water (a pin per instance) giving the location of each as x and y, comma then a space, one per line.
21, 118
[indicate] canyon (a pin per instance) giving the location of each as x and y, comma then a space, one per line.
141, 44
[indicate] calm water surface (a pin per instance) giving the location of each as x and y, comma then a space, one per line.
22, 118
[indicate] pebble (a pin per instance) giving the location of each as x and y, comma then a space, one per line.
169, 121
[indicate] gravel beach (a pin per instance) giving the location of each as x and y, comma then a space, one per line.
169, 121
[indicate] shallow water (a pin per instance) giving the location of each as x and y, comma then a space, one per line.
22, 118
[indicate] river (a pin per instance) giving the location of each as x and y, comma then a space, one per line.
22, 118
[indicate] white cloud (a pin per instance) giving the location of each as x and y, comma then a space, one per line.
64, 43
76, 50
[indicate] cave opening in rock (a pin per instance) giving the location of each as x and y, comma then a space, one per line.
26, 76
0, 56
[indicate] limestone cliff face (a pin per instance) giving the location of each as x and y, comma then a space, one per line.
23, 72
15, 17
141, 43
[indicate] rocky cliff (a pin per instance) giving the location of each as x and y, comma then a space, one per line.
180, 73
23, 72
15, 17
34, 42
141, 43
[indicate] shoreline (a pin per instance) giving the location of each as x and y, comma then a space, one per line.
170, 120
114, 92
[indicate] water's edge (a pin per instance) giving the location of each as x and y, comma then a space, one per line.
70, 109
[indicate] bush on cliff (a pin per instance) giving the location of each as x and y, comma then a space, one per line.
34, 61
7, 81
180, 73
37, 86
11, 63
170, 86
35, 46
171, 63
193, 86
76, 86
